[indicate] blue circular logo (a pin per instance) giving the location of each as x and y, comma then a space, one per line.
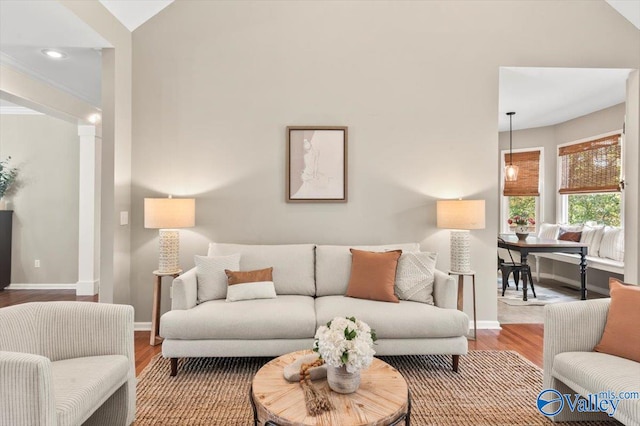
546, 399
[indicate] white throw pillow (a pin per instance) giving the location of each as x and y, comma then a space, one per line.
415, 275
212, 281
592, 236
548, 231
612, 244
250, 291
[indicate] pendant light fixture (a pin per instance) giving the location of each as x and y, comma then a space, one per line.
511, 171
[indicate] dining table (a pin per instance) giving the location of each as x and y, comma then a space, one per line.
533, 244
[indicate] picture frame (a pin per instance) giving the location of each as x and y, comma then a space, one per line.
316, 164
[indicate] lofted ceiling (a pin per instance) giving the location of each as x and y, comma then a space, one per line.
540, 96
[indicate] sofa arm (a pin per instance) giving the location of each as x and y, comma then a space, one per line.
572, 327
445, 291
26, 390
77, 329
184, 291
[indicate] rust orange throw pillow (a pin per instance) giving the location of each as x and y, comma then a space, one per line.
373, 275
621, 337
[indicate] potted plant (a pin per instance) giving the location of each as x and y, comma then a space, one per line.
8, 177
346, 346
521, 225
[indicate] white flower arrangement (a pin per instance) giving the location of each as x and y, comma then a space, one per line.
346, 341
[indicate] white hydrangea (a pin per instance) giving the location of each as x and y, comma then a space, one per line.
346, 341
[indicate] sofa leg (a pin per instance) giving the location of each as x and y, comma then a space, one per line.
456, 361
174, 366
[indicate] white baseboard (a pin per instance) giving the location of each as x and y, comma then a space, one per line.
486, 325
87, 288
574, 283
18, 286
142, 326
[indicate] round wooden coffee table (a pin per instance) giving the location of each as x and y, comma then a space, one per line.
382, 399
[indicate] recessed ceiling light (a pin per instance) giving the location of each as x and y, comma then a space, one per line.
53, 54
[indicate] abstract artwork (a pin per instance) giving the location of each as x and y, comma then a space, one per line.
316, 164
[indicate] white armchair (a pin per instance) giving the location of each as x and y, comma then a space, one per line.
67, 363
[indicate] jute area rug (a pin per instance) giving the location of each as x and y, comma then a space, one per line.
492, 388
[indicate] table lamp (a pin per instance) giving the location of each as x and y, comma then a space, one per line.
168, 214
460, 216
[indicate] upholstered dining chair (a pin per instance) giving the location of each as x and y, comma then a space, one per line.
67, 363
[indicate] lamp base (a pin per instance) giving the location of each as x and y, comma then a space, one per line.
460, 251
169, 251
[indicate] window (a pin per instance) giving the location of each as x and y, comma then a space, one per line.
522, 197
589, 177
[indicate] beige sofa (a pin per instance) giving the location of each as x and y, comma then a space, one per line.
67, 363
571, 331
310, 282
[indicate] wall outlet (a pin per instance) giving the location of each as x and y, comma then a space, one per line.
37, 263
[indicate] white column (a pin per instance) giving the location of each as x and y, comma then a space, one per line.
632, 178
89, 217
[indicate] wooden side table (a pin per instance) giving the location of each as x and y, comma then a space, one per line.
157, 298
461, 276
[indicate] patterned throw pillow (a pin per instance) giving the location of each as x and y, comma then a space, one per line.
612, 244
592, 236
212, 281
415, 277
249, 285
548, 231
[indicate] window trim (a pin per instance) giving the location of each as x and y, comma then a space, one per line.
504, 205
562, 200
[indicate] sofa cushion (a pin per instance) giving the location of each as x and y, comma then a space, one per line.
82, 385
212, 281
285, 317
404, 320
333, 265
373, 275
293, 264
594, 372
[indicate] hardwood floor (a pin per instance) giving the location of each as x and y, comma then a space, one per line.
526, 339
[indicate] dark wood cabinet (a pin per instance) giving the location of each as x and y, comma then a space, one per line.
6, 218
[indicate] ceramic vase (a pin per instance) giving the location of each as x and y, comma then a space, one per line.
341, 381
522, 232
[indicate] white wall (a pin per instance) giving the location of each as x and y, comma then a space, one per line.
216, 83
45, 220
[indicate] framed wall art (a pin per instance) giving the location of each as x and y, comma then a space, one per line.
316, 164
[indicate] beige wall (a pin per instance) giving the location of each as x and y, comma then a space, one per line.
216, 83
45, 220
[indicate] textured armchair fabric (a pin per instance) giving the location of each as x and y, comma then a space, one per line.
67, 363
571, 331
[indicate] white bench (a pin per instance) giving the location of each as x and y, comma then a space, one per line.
593, 262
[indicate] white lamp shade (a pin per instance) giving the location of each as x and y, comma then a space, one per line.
460, 214
169, 213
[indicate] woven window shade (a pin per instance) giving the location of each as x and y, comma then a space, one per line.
592, 166
528, 182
